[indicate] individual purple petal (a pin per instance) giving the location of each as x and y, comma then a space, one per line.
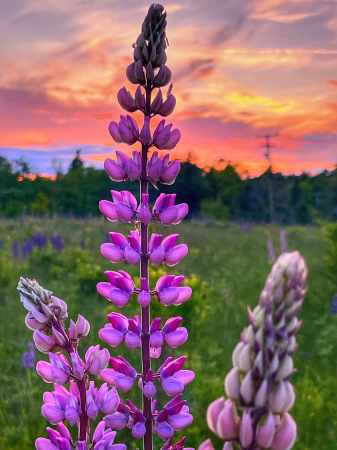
43, 369
173, 140
138, 431
156, 339
169, 175
113, 130
182, 212
114, 170
111, 336
157, 256
52, 413
116, 421
119, 297
149, 389
164, 430
169, 242
132, 340
174, 256
169, 296
44, 444
103, 289
172, 386
177, 337
131, 256
126, 100
169, 216
180, 421
124, 212
43, 342
111, 252
185, 293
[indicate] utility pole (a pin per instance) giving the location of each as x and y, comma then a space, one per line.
268, 146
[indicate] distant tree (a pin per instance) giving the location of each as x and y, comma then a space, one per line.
5, 165
77, 162
40, 205
22, 167
57, 165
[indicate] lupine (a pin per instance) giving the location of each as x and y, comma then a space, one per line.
75, 398
254, 414
28, 358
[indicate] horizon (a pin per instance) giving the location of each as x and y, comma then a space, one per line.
240, 69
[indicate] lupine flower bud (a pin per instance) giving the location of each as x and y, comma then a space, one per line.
127, 130
145, 134
144, 214
144, 298
126, 100
83, 327
43, 342
122, 375
157, 102
96, 360
120, 288
170, 173
168, 106
139, 98
169, 292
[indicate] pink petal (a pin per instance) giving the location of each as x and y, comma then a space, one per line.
111, 336
174, 256
131, 256
185, 293
111, 252
177, 337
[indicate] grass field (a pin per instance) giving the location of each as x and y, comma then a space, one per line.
226, 268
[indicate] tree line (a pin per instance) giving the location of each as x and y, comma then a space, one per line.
216, 192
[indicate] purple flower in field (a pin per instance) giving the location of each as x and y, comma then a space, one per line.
58, 440
121, 329
169, 292
122, 249
1, 244
164, 138
57, 242
170, 334
119, 289
166, 250
15, 249
161, 170
28, 358
174, 379
124, 167
103, 438
166, 212
122, 375
174, 417
333, 309
126, 130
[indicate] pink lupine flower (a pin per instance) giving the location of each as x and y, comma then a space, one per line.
96, 360
168, 106
161, 170
57, 443
166, 212
60, 405
173, 335
174, 379
59, 369
149, 389
166, 251
124, 167
164, 138
122, 249
126, 100
174, 417
119, 419
120, 288
139, 98
123, 207
103, 439
114, 332
43, 342
169, 292
156, 338
144, 298
122, 375
163, 76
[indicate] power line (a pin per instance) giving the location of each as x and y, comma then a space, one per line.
268, 146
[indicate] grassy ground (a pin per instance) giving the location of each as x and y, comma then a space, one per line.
226, 268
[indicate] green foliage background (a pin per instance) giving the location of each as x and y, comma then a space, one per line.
226, 268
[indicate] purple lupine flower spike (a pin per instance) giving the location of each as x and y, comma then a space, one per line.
28, 358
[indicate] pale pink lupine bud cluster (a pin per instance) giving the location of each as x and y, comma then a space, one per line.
254, 414
83, 401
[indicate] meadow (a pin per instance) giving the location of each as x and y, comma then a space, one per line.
226, 267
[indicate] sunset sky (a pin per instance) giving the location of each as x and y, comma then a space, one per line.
241, 68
